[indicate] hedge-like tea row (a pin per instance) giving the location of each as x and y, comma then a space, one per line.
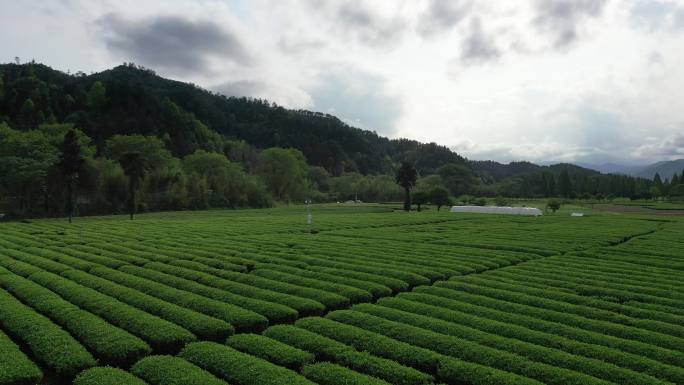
396, 285
15, 367
160, 334
271, 350
325, 373
330, 350
237, 367
203, 326
371, 287
491, 321
107, 376
571, 314
446, 369
108, 343
241, 319
49, 343
167, 370
330, 300
545, 282
199, 273
354, 294
554, 357
465, 350
552, 322
576, 304
274, 312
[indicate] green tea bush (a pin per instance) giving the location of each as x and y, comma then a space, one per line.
160, 334
15, 367
167, 370
330, 350
203, 274
203, 326
109, 344
325, 373
274, 312
107, 376
49, 343
237, 367
271, 350
241, 319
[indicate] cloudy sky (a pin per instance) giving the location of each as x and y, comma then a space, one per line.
543, 80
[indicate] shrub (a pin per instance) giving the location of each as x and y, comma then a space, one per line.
15, 367
107, 376
203, 326
271, 350
237, 367
167, 370
325, 373
49, 343
110, 344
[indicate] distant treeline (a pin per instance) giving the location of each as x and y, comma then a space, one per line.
203, 150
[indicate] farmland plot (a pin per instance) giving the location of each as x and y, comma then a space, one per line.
363, 296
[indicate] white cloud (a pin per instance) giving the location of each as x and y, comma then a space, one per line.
540, 80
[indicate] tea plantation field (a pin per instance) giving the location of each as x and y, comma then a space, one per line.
365, 295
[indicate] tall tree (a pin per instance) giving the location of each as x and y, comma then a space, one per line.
439, 196
564, 183
406, 178
284, 171
70, 163
133, 164
420, 198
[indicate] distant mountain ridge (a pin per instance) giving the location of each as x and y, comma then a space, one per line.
665, 168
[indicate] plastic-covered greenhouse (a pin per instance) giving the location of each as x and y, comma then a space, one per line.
530, 211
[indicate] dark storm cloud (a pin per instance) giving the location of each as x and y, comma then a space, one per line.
171, 42
478, 47
563, 18
442, 15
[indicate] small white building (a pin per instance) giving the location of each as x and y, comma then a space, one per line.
529, 211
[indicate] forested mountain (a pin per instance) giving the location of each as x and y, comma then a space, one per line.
133, 100
201, 149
